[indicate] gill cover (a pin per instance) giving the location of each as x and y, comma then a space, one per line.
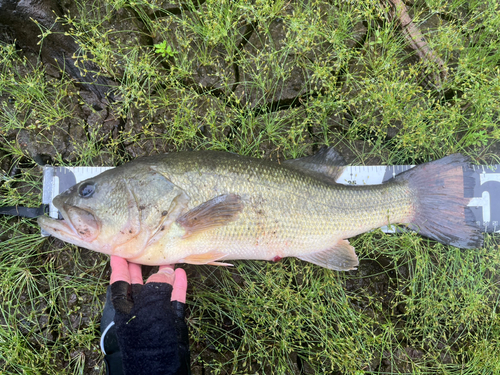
153, 204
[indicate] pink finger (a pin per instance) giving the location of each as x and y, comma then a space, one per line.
164, 275
180, 286
119, 269
162, 267
135, 273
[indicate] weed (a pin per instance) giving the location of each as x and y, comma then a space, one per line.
164, 50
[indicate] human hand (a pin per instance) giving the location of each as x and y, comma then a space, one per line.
149, 319
131, 273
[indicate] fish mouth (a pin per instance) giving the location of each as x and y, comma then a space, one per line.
77, 224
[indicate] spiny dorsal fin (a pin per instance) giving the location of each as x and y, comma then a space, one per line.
327, 164
212, 214
340, 257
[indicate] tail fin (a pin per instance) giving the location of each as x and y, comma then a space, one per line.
441, 211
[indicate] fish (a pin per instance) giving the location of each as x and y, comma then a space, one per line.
208, 207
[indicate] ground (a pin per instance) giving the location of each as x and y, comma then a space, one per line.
270, 79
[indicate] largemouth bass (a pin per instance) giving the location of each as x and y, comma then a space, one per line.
208, 207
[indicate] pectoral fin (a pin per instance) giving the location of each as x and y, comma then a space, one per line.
206, 258
212, 214
340, 257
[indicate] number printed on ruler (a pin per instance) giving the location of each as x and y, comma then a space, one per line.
485, 202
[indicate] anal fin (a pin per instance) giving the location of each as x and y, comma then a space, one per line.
340, 257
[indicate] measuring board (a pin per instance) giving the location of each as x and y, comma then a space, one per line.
484, 203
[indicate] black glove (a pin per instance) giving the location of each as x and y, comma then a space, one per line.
150, 331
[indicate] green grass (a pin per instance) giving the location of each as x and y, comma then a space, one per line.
49, 302
335, 73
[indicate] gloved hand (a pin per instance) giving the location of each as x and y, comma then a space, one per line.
148, 320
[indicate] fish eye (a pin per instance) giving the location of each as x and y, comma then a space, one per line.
86, 190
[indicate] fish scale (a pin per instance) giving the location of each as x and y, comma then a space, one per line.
286, 213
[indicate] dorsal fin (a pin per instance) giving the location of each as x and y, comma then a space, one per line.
326, 165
